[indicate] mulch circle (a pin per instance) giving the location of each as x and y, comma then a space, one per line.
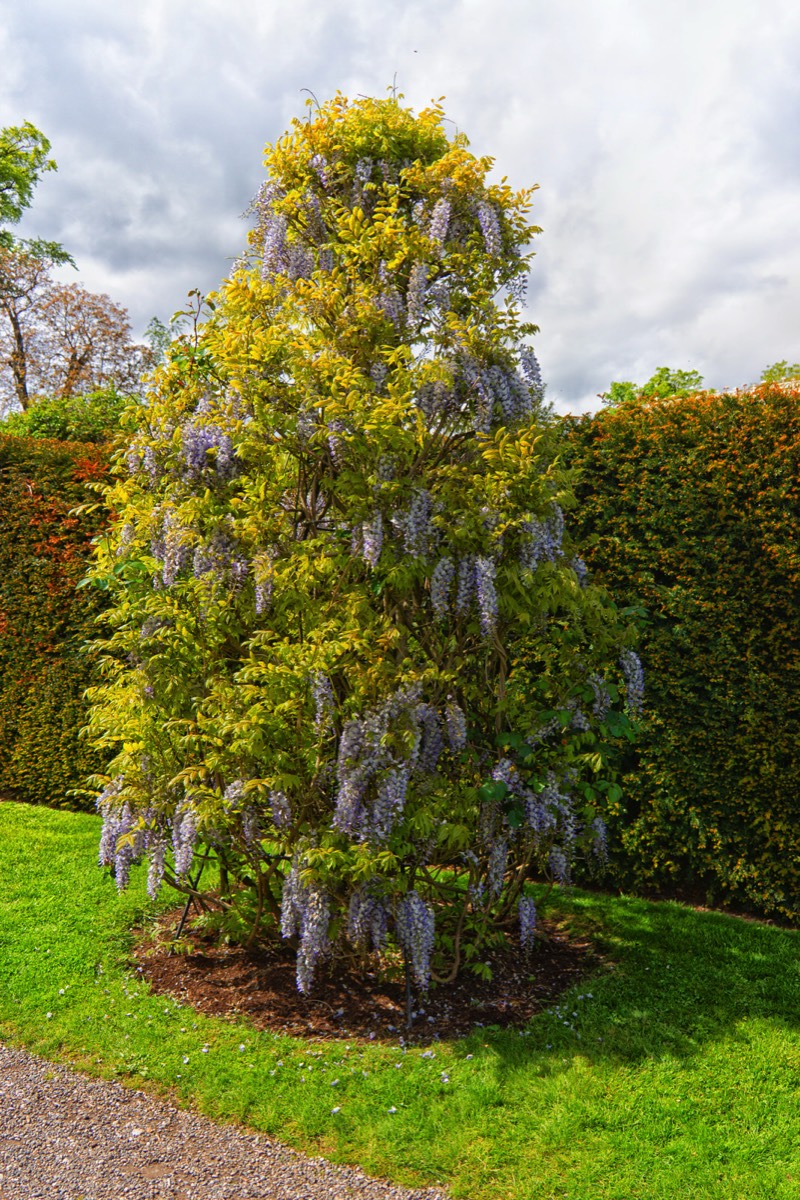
259, 984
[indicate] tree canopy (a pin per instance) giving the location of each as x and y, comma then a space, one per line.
780, 372
665, 382
24, 158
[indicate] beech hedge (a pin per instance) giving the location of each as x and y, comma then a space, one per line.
691, 509
46, 619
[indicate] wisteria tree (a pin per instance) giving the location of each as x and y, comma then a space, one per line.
354, 662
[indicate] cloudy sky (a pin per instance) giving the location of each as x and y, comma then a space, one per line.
664, 136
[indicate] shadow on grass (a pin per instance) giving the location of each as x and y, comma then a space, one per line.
676, 979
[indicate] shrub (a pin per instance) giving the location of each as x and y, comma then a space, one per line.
354, 657
693, 506
45, 619
94, 417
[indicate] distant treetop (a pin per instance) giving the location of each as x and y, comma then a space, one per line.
665, 382
24, 158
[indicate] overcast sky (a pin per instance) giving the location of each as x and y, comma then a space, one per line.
664, 135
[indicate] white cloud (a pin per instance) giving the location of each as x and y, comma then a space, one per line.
664, 138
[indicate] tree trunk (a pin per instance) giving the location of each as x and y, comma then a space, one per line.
77, 362
18, 361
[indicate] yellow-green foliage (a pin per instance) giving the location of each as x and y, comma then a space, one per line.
694, 503
45, 619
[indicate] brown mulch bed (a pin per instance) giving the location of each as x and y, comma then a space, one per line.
230, 981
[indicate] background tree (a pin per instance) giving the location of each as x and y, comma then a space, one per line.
59, 339
24, 159
665, 382
23, 279
354, 659
780, 372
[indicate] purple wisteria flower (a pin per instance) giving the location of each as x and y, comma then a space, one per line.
314, 943
456, 726
416, 931
437, 402
273, 258
390, 800
363, 171
233, 795
490, 227
518, 287
600, 843
558, 865
527, 922
353, 775
320, 165
197, 442
487, 594
579, 721
633, 675
336, 443
263, 575
539, 815
368, 919
495, 876
374, 768
184, 837
155, 874
581, 570
300, 261
390, 303
379, 373
415, 297
432, 743
543, 539
150, 464
251, 827
442, 585
466, 582
372, 539
281, 810
106, 805
126, 536
531, 371
324, 702
415, 524
440, 219
505, 394
439, 295
505, 772
315, 221
305, 914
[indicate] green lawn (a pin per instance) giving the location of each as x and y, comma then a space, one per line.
676, 1074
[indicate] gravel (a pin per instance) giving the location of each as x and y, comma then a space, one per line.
66, 1137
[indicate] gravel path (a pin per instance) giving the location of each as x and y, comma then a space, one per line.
66, 1137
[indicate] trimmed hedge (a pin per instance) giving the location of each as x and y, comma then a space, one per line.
45, 619
694, 507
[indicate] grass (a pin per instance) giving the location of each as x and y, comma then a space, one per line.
676, 1074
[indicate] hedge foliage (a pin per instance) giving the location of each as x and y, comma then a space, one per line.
694, 505
45, 619
90, 417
